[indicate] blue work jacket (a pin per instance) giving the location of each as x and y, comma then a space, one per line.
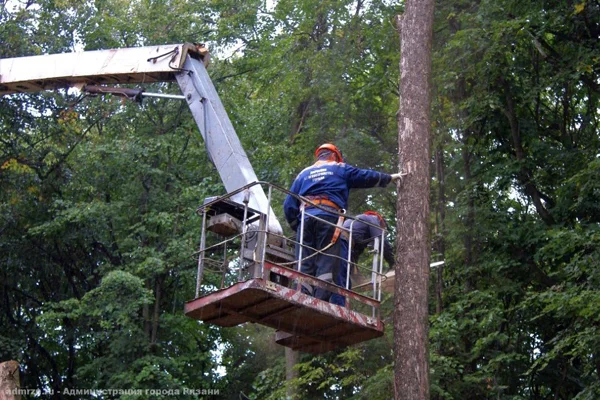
331, 180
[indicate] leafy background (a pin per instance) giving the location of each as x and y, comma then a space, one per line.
97, 223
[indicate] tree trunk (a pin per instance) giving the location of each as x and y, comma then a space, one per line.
470, 254
156, 314
411, 369
146, 314
440, 243
9, 381
470, 218
291, 373
525, 176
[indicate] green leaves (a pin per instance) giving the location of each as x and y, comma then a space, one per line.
117, 299
97, 222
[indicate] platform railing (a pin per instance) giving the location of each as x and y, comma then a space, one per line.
255, 254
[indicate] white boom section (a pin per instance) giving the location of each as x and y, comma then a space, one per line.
182, 62
129, 65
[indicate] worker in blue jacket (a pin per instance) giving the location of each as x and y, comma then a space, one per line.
364, 229
327, 183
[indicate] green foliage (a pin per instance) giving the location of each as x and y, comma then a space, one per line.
97, 223
520, 215
269, 384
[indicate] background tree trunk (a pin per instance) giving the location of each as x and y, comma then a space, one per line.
440, 222
411, 370
291, 373
9, 380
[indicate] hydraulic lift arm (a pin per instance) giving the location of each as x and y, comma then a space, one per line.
184, 63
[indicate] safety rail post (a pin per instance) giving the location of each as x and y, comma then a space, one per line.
349, 255
375, 270
264, 248
299, 238
381, 257
200, 271
244, 230
225, 264
260, 243
299, 243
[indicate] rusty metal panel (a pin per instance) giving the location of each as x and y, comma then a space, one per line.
320, 326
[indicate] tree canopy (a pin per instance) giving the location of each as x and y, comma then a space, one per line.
97, 222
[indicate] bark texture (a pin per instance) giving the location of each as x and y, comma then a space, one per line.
9, 380
291, 359
411, 370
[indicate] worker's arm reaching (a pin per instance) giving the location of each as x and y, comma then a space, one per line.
331, 180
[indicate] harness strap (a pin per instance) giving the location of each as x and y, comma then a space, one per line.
338, 230
322, 201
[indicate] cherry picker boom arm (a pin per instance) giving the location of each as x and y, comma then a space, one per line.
184, 63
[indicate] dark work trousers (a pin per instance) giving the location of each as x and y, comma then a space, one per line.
317, 235
340, 278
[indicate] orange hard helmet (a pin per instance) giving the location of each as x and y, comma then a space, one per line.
332, 148
379, 217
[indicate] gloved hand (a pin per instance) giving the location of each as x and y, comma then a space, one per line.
397, 176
